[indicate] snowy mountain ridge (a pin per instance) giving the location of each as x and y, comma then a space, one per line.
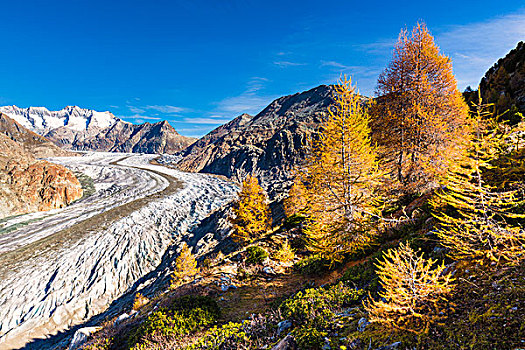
41, 120
75, 128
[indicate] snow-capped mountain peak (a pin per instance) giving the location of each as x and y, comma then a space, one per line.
41, 120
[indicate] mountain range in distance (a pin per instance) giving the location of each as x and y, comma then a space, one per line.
269, 144
75, 128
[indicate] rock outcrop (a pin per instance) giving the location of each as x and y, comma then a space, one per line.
28, 184
504, 85
77, 128
36, 145
159, 137
269, 144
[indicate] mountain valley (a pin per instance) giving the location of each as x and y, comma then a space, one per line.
96, 213
59, 268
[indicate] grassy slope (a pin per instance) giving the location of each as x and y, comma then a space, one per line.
486, 309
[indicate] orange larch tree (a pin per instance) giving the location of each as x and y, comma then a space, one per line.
420, 119
252, 212
414, 290
337, 187
185, 266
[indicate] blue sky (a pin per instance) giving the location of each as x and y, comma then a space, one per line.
199, 64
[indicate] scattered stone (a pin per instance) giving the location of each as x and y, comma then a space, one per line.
81, 335
392, 346
439, 250
268, 270
283, 325
287, 343
121, 318
326, 345
356, 344
361, 324
226, 287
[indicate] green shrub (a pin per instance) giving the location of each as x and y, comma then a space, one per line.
255, 255
293, 221
298, 243
309, 338
228, 336
186, 315
206, 263
312, 265
192, 302
362, 275
317, 306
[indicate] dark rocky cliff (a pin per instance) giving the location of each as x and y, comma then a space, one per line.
269, 144
159, 137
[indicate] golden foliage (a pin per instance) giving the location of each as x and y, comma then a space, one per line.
185, 266
413, 290
285, 252
252, 213
139, 301
421, 117
219, 257
295, 203
336, 189
478, 221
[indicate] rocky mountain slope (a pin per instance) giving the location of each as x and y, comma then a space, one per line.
504, 84
76, 128
269, 144
159, 137
37, 145
28, 184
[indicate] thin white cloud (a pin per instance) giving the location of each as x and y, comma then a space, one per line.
138, 117
286, 64
243, 104
136, 110
475, 47
209, 121
380, 47
250, 101
351, 70
333, 64
364, 77
165, 109
255, 84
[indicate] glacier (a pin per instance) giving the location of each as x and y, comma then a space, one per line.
58, 269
